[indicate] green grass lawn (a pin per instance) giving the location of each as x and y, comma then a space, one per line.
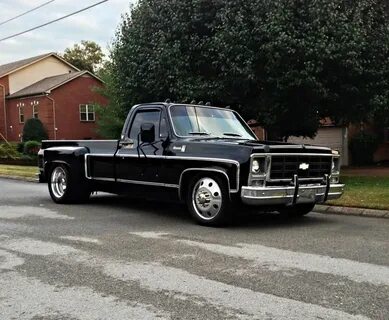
364, 192
19, 171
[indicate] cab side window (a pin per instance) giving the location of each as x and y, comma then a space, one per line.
144, 116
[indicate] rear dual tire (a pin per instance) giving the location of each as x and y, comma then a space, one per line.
64, 187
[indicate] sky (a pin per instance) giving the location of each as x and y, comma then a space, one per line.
97, 24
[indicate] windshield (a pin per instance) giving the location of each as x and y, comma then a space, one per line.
208, 121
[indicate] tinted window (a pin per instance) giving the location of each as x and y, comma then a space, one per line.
149, 116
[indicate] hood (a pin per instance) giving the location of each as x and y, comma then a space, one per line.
261, 146
282, 147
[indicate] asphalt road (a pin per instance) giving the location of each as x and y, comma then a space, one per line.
114, 258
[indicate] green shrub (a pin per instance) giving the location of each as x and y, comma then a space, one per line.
26, 157
8, 151
33, 130
362, 148
31, 147
20, 147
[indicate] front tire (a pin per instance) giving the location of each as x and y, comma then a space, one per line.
208, 200
65, 188
297, 210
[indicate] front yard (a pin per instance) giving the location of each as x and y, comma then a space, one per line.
18, 171
365, 192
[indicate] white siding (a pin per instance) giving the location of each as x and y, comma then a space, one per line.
47, 67
333, 137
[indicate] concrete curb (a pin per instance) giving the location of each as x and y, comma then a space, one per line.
20, 178
352, 211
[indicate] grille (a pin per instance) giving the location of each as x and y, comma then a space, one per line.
286, 166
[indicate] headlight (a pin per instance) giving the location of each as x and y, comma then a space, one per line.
255, 166
258, 169
258, 166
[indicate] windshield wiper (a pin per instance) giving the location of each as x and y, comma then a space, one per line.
231, 134
199, 133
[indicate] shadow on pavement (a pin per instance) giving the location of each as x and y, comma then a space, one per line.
171, 212
257, 219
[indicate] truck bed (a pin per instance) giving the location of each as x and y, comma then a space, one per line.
94, 146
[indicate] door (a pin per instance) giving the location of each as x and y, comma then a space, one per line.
139, 162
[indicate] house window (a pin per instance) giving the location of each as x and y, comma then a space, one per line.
87, 113
35, 112
21, 112
35, 105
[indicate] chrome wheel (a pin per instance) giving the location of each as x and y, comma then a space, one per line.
207, 198
58, 182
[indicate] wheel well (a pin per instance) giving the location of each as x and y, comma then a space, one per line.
189, 174
49, 167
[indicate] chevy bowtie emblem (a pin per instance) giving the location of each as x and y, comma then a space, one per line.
304, 166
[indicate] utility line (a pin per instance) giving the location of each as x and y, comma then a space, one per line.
24, 13
52, 21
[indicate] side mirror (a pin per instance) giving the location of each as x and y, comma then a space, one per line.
147, 132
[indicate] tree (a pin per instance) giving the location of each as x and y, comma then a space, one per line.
85, 56
111, 116
323, 59
33, 130
285, 63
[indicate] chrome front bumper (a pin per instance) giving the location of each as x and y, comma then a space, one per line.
289, 195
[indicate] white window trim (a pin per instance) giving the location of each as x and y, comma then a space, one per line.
35, 111
87, 106
21, 108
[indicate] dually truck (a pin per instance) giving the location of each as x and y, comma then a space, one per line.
205, 156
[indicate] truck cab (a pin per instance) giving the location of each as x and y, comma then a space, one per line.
204, 156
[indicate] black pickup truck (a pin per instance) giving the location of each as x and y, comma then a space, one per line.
204, 156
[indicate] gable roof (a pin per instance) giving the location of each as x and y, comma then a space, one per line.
47, 84
8, 68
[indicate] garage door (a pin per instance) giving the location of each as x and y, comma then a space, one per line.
332, 137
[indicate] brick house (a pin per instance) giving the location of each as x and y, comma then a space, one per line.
49, 88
